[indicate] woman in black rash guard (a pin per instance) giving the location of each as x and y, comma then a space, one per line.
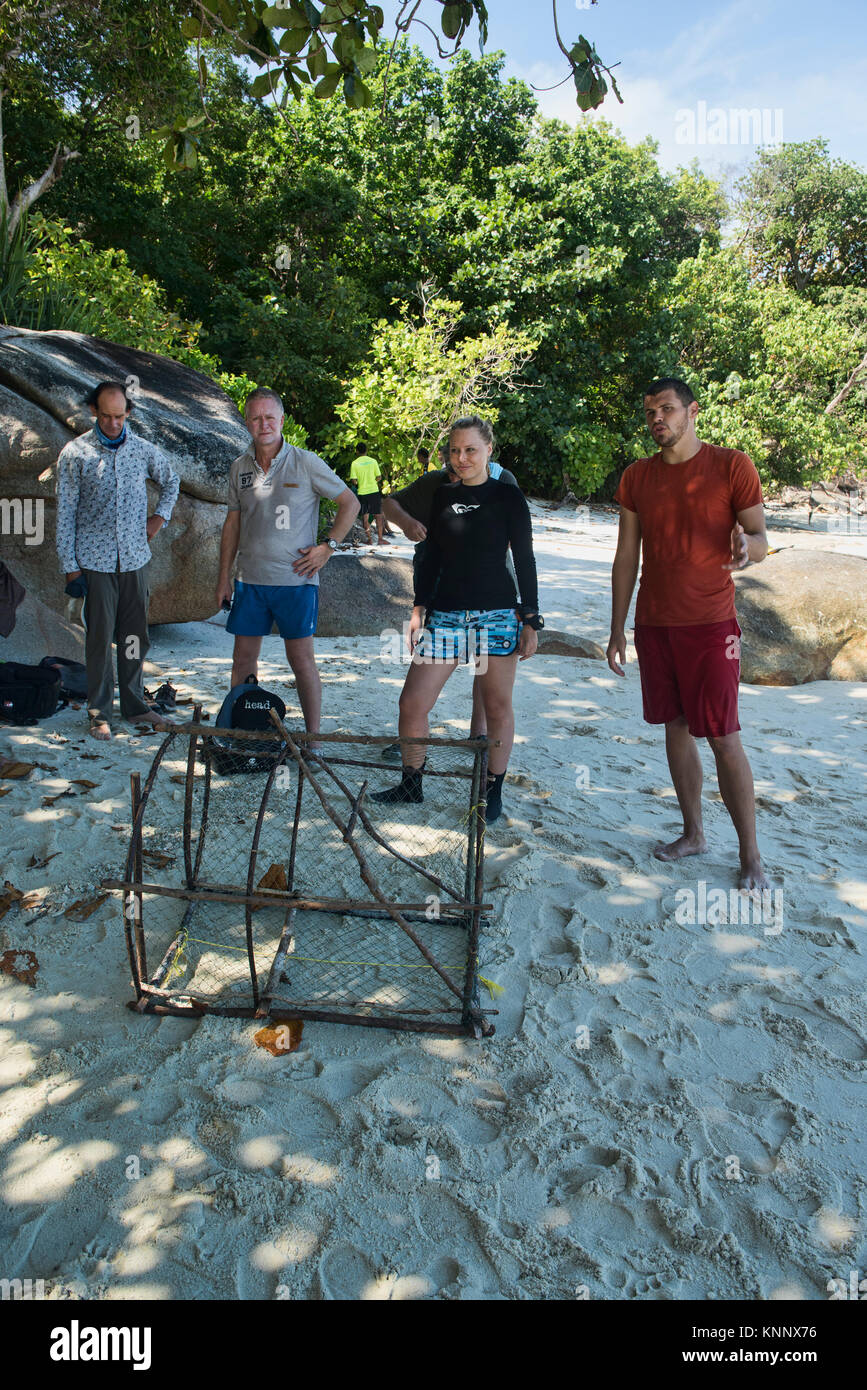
473, 611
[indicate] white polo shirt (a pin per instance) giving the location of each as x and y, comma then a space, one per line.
279, 511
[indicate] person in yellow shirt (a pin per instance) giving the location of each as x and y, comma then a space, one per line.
365, 473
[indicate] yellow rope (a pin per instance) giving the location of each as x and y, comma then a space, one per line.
176, 966
322, 960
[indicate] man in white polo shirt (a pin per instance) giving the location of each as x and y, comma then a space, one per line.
271, 526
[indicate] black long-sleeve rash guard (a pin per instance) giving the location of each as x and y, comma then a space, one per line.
470, 530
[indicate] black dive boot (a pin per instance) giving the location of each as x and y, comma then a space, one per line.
408, 789
494, 797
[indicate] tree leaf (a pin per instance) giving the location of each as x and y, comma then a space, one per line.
23, 965
263, 85
328, 86
280, 1038
365, 60
84, 908
13, 769
359, 95
317, 62
8, 896
452, 21
294, 39
345, 44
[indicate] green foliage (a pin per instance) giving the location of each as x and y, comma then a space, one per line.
418, 378
49, 278
804, 217
766, 362
20, 302
287, 253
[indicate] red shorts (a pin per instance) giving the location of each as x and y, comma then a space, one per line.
692, 671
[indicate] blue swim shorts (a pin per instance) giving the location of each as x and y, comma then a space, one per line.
256, 607
466, 634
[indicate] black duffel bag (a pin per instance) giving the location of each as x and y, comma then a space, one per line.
73, 676
27, 693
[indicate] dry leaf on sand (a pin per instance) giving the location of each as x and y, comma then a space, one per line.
80, 911
279, 1038
21, 965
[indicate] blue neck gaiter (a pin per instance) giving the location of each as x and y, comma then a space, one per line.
109, 443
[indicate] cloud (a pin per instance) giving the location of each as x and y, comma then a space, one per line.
707, 64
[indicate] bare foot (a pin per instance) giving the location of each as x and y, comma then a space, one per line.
100, 729
157, 722
383, 542
681, 848
753, 875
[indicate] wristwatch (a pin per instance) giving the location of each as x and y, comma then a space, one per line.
332, 545
533, 620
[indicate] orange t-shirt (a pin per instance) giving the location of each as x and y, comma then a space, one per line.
687, 511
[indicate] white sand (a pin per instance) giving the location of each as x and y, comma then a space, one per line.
591, 1147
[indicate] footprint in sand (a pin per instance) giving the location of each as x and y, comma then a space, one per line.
459, 1242
650, 1286
345, 1274
158, 1104
416, 1106
753, 1133
70, 1233
240, 1090
833, 1036
499, 860
173, 1032
589, 1165
313, 1127
342, 1080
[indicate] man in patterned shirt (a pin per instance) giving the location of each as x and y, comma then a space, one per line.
103, 535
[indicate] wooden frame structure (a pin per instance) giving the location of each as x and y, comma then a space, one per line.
342, 808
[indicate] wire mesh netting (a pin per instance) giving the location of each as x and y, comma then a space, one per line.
262, 877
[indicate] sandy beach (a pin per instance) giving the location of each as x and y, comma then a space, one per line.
668, 1109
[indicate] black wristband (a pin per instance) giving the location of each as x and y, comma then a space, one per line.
533, 620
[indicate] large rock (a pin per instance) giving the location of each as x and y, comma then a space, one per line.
30, 440
803, 614
362, 595
555, 643
39, 632
175, 407
44, 379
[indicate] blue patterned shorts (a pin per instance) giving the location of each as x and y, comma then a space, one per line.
469, 634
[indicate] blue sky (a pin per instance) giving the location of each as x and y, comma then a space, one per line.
806, 61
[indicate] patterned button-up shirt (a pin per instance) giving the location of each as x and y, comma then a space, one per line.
102, 503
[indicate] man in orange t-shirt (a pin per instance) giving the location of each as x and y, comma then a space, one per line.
694, 513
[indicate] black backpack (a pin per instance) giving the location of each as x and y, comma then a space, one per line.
73, 676
27, 693
247, 706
